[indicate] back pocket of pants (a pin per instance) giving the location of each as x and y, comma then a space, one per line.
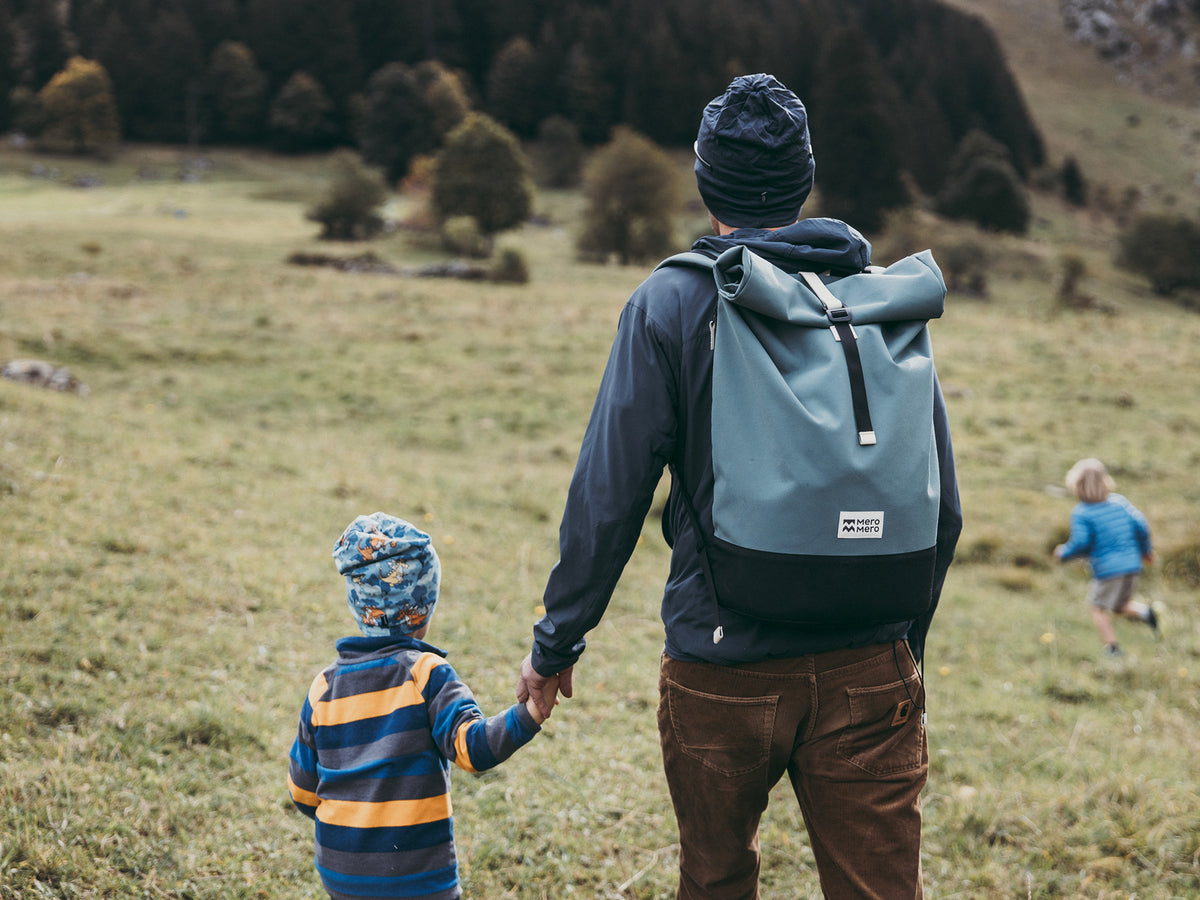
730, 735
886, 735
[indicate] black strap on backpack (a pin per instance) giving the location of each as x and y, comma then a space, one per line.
840, 323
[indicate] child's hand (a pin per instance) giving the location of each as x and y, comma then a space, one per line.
535, 711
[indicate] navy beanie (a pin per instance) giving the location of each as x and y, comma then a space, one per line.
754, 162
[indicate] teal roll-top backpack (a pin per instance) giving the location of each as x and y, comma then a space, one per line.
826, 494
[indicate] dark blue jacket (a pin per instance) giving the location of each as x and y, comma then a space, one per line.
653, 410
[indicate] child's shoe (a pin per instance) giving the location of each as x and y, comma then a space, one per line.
1154, 618
1113, 651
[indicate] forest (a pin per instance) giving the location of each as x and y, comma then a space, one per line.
891, 83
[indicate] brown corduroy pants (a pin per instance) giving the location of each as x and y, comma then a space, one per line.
846, 726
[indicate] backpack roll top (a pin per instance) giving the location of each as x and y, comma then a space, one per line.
819, 519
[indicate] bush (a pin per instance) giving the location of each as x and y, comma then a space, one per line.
461, 235
350, 209
631, 195
965, 267
1165, 249
482, 172
510, 267
1182, 564
983, 187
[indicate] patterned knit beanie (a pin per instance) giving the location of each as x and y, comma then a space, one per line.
392, 574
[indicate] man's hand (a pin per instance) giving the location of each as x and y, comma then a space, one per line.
541, 689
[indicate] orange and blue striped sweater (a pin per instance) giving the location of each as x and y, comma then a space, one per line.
370, 764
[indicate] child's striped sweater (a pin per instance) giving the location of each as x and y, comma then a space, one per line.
371, 765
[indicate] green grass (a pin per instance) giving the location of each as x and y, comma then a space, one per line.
168, 591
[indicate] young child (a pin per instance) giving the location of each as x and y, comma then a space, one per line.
381, 724
1115, 538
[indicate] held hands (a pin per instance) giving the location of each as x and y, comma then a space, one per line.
541, 691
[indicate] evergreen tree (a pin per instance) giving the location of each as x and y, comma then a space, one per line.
559, 153
445, 93
482, 172
398, 120
667, 113
589, 98
236, 93
391, 31
215, 21
514, 88
46, 41
984, 187
155, 59
80, 113
313, 36
1073, 184
854, 141
301, 116
632, 196
8, 74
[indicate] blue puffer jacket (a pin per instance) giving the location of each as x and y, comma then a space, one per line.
1113, 535
653, 410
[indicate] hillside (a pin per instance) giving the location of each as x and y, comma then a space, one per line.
1126, 124
169, 593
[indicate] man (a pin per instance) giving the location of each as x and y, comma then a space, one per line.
838, 710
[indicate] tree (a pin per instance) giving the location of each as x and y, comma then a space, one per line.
155, 59
589, 98
858, 166
1073, 184
482, 172
398, 121
236, 93
301, 115
514, 88
631, 196
45, 36
559, 153
445, 94
349, 211
984, 187
80, 113
8, 75
312, 36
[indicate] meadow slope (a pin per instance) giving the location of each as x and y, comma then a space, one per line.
168, 591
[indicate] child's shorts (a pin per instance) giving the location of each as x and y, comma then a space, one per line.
1112, 593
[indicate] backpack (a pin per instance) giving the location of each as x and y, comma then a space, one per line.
826, 478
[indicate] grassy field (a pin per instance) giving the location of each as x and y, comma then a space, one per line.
168, 592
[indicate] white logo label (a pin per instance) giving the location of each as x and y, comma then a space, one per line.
860, 524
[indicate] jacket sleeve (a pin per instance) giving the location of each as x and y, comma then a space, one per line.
1141, 530
302, 763
1080, 541
628, 443
949, 518
460, 730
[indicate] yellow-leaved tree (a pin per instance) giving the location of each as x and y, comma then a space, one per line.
79, 109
